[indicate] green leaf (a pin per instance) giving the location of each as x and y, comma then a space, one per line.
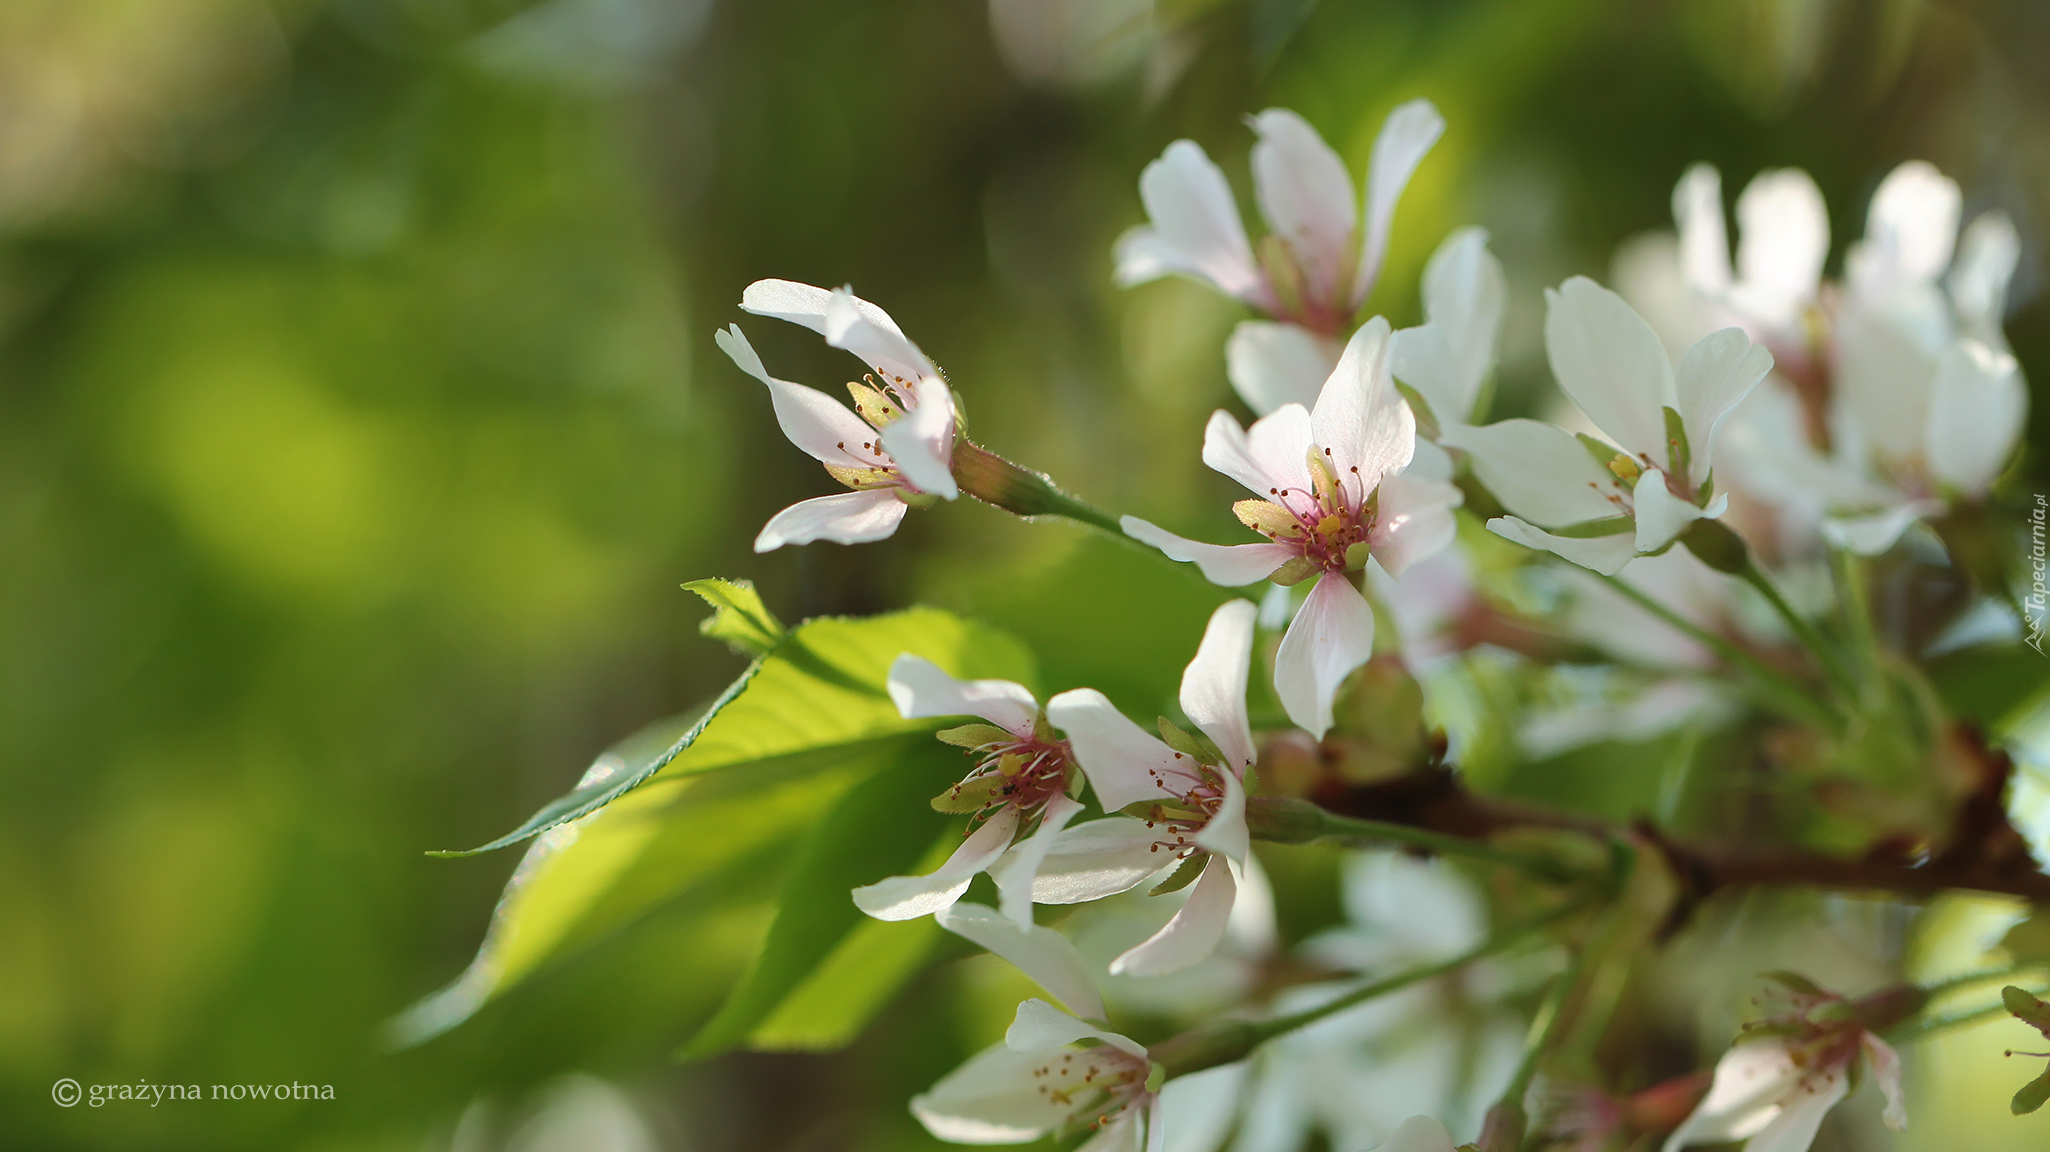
1592, 529
738, 616
879, 828
737, 794
2032, 1095
2026, 1008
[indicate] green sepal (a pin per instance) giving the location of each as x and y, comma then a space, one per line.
1601, 453
1194, 745
1297, 570
1679, 457
1714, 544
973, 735
1594, 529
1794, 982
969, 796
739, 618
1707, 492
2026, 1008
1183, 876
1356, 555
2032, 1095
1426, 420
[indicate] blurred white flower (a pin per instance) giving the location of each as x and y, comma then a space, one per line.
1332, 492
1451, 355
1773, 1092
1038, 1081
1596, 504
898, 451
1315, 267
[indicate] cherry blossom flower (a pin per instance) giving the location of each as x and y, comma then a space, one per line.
1773, 1089
1448, 359
1600, 504
1020, 789
1192, 799
1311, 272
896, 453
1052, 1073
1331, 493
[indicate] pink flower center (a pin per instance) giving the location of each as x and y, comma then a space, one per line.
1198, 791
1023, 772
1321, 524
1105, 1080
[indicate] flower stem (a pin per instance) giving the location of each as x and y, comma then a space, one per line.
1781, 692
1019, 490
1857, 609
1825, 656
1507, 1122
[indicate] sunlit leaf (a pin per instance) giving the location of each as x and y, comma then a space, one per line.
739, 617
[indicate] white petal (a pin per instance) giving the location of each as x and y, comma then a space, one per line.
1603, 554
1229, 565
1040, 953
1214, 684
909, 897
1660, 514
1431, 463
1783, 239
1018, 871
1449, 358
1712, 378
922, 440
1418, 1134
1225, 833
1875, 532
1646, 272
991, 1099
1194, 931
1041, 1027
1306, 195
1417, 910
1416, 521
1704, 240
1611, 363
1098, 859
814, 421
1196, 220
1986, 258
922, 689
1744, 1097
1361, 421
1538, 471
1124, 763
1124, 1134
1268, 457
845, 518
1794, 1129
1199, 1107
1886, 1070
1912, 224
1332, 634
1405, 138
1886, 361
1142, 255
1273, 364
1976, 411
857, 326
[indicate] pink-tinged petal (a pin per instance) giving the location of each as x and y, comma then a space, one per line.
1911, 226
1332, 634
1610, 362
846, 518
855, 325
1196, 223
1306, 195
1194, 931
1712, 378
1098, 859
1225, 833
992, 1099
1042, 954
922, 440
1040, 1027
1986, 259
1603, 554
1272, 364
1214, 684
1269, 457
1537, 470
1800, 1117
1449, 358
1363, 424
909, 897
922, 689
1405, 138
1782, 240
1750, 1081
1018, 871
1156, 1124
1418, 1134
814, 421
1416, 521
1704, 240
1660, 514
1886, 1071
1875, 532
1229, 565
1124, 763
1977, 408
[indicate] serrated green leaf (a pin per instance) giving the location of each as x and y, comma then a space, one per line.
2026, 1008
2032, 1095
879, 828
738, 615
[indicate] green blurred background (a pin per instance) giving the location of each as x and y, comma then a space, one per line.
358, 422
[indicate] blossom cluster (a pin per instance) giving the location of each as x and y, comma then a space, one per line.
1731, 423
